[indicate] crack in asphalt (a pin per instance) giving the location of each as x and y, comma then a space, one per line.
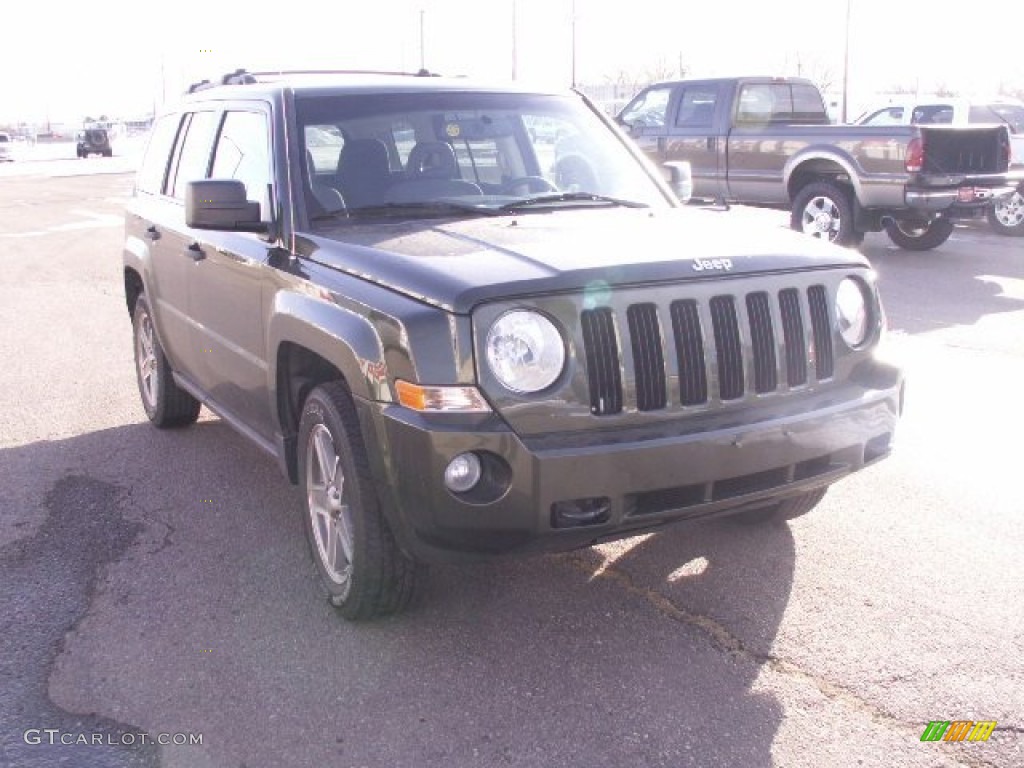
724, 640
50, 580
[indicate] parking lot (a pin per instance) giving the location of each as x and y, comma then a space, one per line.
159, 582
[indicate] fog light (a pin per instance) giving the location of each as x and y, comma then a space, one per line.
462, 473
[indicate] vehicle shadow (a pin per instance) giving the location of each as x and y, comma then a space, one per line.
953, 285
645, 652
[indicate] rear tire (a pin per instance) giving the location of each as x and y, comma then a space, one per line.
1007, 218
784, 510
824, 211
913, 236
166, 404
359, 562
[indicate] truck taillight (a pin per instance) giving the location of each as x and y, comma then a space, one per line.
915, 155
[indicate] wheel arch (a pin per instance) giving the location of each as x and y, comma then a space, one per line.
820, 165
314, 342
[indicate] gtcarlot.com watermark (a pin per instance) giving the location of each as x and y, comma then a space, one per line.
54, 736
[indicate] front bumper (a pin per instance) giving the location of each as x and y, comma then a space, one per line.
742, 461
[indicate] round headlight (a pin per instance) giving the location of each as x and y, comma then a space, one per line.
525, 351
853, 312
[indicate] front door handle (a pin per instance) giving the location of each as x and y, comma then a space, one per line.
195, 252
152, 233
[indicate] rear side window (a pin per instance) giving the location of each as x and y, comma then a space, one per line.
194, 157
780, 103
243, 153
929, 114
154, 163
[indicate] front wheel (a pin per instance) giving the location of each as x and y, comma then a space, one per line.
359, 562
824, 211
784, 510
1007, 217
919, 236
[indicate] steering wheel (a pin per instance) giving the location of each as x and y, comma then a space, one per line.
574, 173
529, 185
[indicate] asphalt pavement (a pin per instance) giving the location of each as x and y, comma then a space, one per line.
156, 585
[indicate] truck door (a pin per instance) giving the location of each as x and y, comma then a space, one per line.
644, 118
691, 134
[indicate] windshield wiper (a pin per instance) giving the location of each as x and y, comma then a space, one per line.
568, 197
422, 208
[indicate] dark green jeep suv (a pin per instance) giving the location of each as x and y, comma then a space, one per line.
93, 141
462, 338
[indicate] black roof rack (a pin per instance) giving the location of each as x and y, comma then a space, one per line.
244, 77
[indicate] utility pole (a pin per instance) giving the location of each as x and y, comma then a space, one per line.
573, 43
423, 55
514, 41
846, 63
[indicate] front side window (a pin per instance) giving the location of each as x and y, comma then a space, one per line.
887, 116
243, 153
194, 157
648, 110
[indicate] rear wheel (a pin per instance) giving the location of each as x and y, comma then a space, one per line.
356, 555
919, 236
824, 211
784, 510
166, 404
1007, 217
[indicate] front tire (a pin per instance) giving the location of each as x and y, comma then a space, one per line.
1007, 218
915, 236
824, 211
359, 562
784, 510
166, 404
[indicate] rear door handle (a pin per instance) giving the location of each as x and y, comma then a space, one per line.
195, 252
152, 233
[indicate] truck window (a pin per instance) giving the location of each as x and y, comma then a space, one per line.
887, 116
780, 103
697, 107
926, 114
648, 109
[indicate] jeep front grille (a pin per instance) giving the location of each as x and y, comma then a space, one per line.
734, 344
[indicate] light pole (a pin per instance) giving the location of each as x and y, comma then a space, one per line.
846, 62
423, 55
514, 46
573, 43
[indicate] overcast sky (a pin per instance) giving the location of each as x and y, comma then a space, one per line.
61, 63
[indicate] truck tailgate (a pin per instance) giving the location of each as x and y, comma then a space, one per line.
960, 151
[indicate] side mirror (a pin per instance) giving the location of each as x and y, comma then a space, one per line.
680, 178
221, 204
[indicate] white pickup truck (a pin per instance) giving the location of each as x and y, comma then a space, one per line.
1007, 216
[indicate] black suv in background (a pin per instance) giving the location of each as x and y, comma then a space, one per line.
93, 141
471, 320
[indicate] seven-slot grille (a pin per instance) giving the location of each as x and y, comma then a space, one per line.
709, 345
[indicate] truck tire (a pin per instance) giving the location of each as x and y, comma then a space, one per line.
165, 403
1007, 218
359, 562
824, 210
914, 236
784, 510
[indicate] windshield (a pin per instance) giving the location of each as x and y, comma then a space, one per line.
463, 153
1011, 114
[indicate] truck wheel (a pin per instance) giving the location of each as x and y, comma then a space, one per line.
784, 510
1007, 218
356, 555
919, 236
823, 210
166, 404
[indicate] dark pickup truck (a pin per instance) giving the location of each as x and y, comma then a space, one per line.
768, 141
471, 320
